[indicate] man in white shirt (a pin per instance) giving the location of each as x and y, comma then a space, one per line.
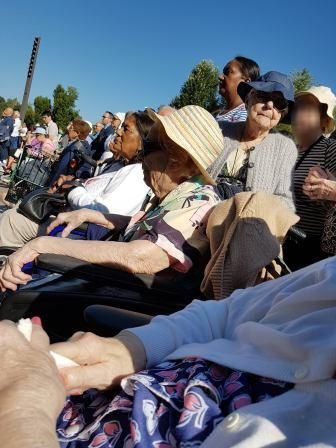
52, 127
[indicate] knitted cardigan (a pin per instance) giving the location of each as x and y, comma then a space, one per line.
271, 163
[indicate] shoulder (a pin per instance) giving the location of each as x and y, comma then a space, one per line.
281, 142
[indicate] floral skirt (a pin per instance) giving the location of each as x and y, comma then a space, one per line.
177, 403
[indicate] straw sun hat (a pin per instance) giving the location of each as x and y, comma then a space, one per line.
325, 97
196, 132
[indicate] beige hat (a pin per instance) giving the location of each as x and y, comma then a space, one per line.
196, 131
327, 98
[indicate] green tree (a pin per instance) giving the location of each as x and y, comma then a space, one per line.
41, 104
64, 107
30, 116
302, 80
200, 88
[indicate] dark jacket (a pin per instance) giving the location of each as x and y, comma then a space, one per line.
71, 153
97, 146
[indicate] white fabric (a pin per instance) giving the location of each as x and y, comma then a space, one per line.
120, 192
16, 128
53, 132
283, 329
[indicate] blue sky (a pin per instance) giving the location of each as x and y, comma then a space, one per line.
137, 53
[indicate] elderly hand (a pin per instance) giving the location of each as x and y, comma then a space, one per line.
72, 220
62, 179
320, 185
30, 385
102, 362
11, 273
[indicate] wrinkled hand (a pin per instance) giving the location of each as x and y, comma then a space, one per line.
102, 362
29, 379
62, 179
320, 185
11, 274
72, 220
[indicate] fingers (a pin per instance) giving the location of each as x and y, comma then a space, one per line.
77, 380
68, 229
56, 222
83, 348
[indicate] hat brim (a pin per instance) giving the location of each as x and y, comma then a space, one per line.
245, 87
209, 180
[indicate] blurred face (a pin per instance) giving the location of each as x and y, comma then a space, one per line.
265, 109
106, 119
115, 122
46, 119
156, 173
306, 118
128, 141
98, 126
230, 78
40, 137
73, 135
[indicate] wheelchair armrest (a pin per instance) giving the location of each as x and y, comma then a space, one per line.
165, 282
109, 321
6, 250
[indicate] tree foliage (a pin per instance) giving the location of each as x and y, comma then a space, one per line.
64, 107
302, 80
200, 88
41, 104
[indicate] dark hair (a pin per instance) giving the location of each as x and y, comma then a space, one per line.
47, 113
249, 68
110, 113
143, 121
82, 128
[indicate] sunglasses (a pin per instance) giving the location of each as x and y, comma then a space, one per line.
279, 102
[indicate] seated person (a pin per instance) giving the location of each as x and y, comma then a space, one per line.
256, 370
40, 145
69, 162
171, 234
120, 189
254, 158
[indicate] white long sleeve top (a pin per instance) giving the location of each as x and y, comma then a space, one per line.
119, 192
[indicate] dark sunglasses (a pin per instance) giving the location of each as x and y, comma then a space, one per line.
279, 102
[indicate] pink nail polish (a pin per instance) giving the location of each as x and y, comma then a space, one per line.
36, 321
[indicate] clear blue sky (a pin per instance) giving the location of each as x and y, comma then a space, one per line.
137, 53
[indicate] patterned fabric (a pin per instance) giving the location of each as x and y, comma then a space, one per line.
177, 403
178, 223
239, 113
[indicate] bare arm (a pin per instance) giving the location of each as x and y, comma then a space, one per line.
138, 256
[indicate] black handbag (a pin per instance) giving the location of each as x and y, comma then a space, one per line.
39, 205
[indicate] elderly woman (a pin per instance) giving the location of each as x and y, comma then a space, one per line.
235, 71
254, 158
171, 232
312, 119
253, 371
119, 189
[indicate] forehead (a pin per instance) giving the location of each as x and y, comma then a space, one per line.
307, 100
232, 65
130, 121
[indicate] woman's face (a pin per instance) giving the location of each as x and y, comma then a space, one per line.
265, 109
128, 141
230, 78
156, 173
73, 135
306, 118
115, 123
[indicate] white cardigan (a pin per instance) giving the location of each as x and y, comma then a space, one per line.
284, 329
119, 192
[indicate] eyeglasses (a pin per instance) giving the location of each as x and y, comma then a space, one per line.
279, 102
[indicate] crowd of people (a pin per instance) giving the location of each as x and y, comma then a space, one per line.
184, 189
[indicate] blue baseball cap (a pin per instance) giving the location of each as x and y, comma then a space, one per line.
271, 82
